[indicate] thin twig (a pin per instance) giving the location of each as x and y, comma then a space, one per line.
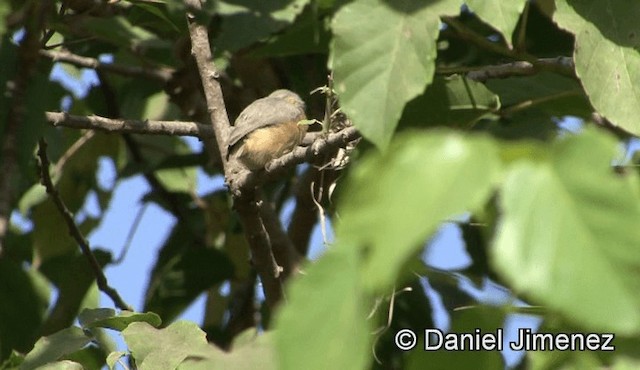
483, 42
157, 74
130, 235
73, 149
321, 213
515, 69
508, 111
101, 279
149, 127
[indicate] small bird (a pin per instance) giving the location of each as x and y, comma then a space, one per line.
267, 129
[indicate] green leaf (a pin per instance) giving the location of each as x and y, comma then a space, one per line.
159, 349
62, 365
545, 92
452, 101
178, 281
607, 55
52, 348
502, 15
568, 236
73, 277
107, 318
77, 178
113, 358
400, 198
5, 9
330, 292
13, 362
625, 363
120, 32
487, 319
308, 35
24, 296
247, 21
383, 56
249, 351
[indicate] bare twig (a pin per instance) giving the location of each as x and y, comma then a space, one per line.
515, 69
101, 279
479, 40
149, 127
157, 74
259, 241
73, 149
131, 234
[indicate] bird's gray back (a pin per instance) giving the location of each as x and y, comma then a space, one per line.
264, 112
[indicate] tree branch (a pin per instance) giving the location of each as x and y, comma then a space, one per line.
515, 69
158, 74
149, 127
101, 279
481, 41
245, 204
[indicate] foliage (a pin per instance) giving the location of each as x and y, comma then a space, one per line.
462, 108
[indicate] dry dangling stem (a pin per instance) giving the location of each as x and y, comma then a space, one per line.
101, 279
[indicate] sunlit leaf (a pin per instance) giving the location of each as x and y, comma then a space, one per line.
606, 28
568, 234
382, 55
395, 201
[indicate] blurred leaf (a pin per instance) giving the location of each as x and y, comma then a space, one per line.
35, 195
77, 178
13, 362
72, 276
307, 35
452, 101
88, 358
411, 309
501, 15
553, 94
114, 357
564, 360
486, 319
5, 10
610, 28
158, 12
24, 297
120, 32
250, 351
53, 347
62, 365
383, 54
184, 278
247, 21
9, 57
574, 205
160, 154
42, 95
107, 318
340, 307
400, 185
625, 363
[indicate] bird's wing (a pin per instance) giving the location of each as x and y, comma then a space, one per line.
262, 113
